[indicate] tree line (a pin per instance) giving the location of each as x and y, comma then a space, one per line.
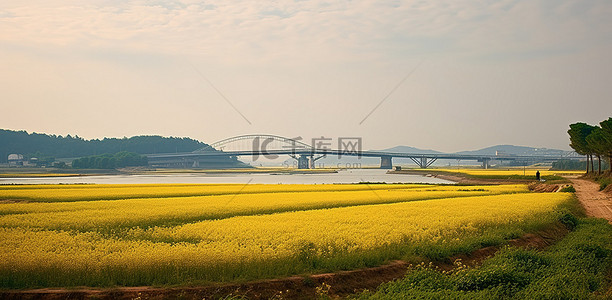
109, 161
57, 146
568, 164
593, 142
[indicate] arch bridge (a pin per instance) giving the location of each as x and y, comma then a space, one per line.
268, 146
273, 146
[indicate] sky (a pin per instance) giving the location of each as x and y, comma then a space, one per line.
445, 75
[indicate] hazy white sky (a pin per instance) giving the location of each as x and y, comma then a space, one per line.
489, 72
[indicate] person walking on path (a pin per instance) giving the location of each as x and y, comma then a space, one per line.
538, 175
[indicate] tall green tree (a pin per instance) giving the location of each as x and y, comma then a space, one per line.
606, 128
598, 145
578, 133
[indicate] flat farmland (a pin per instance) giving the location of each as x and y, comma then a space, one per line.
135, 235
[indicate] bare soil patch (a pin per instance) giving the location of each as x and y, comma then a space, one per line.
462, 179
597, 203
9, 201
545, 187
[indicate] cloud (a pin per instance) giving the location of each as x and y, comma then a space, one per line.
282, 61
318, 30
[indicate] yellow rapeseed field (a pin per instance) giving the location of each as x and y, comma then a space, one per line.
86, 192
271, 231
111, 214
506, 172
362, 227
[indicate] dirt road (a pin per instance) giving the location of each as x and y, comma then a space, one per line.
597, 204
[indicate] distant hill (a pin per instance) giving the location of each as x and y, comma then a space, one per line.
332, 161
506, 149
503, 149
514, 150
57, 146
408, 149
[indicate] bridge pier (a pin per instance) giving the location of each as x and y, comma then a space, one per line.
313, 160
485, 163
304, 161
423, 162
386, 162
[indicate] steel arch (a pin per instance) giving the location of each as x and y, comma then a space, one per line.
226, 141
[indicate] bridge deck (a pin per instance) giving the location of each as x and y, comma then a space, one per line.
365, 154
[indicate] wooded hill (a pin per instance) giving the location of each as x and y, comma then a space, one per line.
42, 145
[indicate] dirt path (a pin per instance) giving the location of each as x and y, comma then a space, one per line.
596, 203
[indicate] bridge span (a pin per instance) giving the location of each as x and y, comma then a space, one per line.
306, 158
306, 155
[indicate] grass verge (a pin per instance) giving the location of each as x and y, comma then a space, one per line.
604, 182
575, 268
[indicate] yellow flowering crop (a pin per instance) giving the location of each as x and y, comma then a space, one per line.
362, 227
109, 214
87, 192
274, 230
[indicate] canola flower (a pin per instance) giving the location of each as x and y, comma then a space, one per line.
87, 192
108, 215
366, 226
274, 230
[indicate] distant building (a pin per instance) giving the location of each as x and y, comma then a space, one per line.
502, 153
15, 160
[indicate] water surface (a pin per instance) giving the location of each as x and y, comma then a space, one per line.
343, 176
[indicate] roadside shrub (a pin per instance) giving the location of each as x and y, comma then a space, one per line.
486, 278
568, 189
595, 250
604, 182
569, 220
